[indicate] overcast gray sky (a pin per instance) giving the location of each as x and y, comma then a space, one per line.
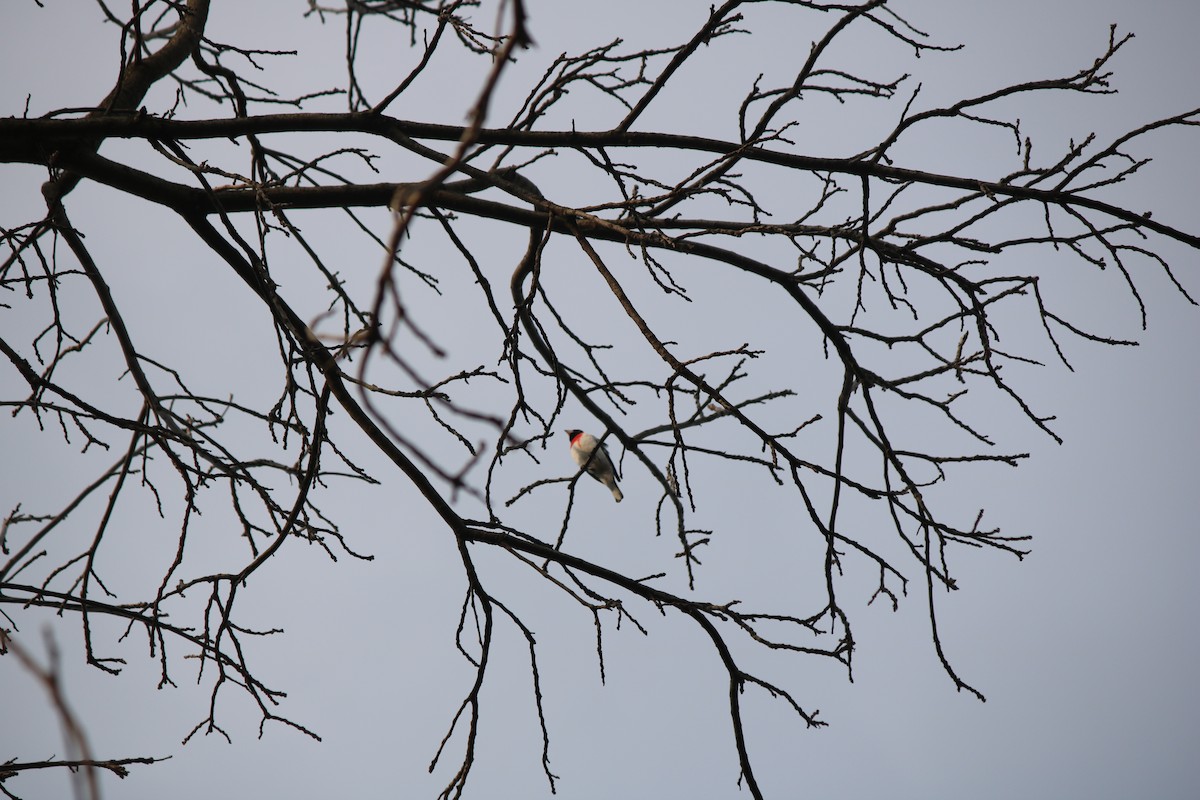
1087, 651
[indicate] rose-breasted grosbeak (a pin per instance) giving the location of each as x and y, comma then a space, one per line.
599, 465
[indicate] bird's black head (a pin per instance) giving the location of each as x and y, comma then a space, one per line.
573, 432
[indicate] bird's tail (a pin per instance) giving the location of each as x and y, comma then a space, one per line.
616, 491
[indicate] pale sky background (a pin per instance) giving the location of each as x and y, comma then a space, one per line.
1087, 651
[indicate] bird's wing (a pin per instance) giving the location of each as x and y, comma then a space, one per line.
616, 469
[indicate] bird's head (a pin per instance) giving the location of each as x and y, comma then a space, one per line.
572, 433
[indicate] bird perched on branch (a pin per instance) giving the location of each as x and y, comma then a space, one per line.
587, 451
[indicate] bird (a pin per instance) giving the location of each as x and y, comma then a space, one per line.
587, 451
